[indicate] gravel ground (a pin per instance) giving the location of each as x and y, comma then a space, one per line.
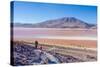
28, 55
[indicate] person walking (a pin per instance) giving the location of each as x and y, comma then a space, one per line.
36, 44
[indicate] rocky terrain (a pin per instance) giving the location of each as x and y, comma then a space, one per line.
24, 54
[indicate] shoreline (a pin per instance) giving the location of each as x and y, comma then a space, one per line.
53, 28
63, 42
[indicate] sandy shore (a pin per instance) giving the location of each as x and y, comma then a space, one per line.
63, 42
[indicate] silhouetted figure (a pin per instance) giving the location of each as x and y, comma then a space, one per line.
36, 44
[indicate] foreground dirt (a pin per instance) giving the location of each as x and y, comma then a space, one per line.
64, 42
26, 54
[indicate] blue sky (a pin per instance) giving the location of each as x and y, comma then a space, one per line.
33, 12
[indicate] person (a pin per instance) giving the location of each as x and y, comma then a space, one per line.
36, 44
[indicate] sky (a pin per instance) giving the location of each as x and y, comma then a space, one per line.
35, 12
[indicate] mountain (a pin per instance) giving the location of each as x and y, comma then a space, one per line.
21, 25
65, 22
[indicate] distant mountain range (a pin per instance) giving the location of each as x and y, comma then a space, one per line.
65, 22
